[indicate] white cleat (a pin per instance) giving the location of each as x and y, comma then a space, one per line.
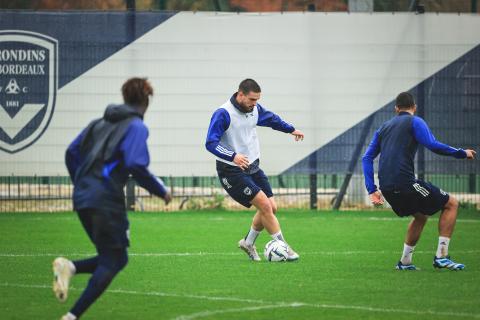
292, 255
69, 316
251, 250
62, 273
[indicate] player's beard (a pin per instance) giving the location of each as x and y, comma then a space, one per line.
246, 108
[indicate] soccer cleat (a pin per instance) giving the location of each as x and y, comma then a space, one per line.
292, 255
401, 266
250, 250
62, 273
69, 316
446, 263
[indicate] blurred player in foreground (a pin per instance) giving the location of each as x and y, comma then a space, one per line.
396, 141
232, 138
99, 162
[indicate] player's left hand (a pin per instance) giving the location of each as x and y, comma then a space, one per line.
167, 198
470, 154
376, 198
298, 135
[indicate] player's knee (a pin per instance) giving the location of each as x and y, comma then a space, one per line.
262, 203
265, 207
114, 260
102, 276
421, 218
452, 203
122, 262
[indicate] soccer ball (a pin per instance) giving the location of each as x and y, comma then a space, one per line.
276, 251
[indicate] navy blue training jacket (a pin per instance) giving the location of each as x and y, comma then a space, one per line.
397, 141
101, 184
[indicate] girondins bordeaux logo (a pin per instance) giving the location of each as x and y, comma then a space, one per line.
28, 87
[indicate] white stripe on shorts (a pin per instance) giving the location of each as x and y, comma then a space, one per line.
424, 192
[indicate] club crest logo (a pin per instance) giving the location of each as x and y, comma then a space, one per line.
247, 191
28, 87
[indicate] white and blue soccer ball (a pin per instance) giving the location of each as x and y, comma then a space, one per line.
276, 251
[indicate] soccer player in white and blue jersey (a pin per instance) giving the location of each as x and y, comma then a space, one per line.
232, 138
397, 141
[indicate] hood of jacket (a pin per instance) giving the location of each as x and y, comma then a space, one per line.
118, 112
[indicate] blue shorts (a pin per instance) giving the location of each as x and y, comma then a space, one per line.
243, 186
420, 197
106, 229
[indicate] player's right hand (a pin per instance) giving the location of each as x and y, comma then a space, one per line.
298, 135
470, 154
376, 198
241, 161
167, 198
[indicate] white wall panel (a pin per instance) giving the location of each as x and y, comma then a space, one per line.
322, 72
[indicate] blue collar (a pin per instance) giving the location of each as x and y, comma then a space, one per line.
402, 113
233, 100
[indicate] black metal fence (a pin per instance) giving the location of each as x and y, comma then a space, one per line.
320, 191
47, 194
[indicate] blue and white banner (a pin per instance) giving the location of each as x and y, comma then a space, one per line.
324, 73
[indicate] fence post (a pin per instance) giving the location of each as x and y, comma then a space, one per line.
472, 183
131, 20
312, 163
313, 192
130, 194
131, 5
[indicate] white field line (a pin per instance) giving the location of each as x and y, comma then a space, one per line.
143, 293
196, 254
268, 304
208, 313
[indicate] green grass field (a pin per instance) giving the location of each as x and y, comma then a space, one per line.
185, 265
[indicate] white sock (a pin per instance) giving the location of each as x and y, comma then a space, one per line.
278, 236
442, 249
251, 236
407, 254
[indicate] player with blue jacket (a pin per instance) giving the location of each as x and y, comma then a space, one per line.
232, 138
397, 141
99, 161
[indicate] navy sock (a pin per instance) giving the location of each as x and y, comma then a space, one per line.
110, 262
86, 265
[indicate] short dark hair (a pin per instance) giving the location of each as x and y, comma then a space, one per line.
404, 101
249, 85
136, 92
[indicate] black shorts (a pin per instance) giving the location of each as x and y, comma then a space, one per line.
420, 197
106, 229
242, 186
